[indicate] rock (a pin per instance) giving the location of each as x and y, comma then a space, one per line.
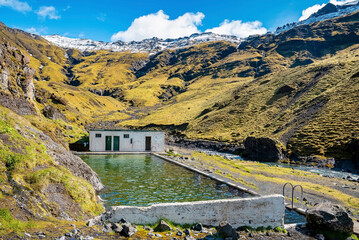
148, 229
163, 227
68, 160
226, 230
53, 113
179, 233
123, 220
94, 221
327, 217
319, 237
127, 230
61, 238
27, 235
197, 227
69, 234
106, 228
158, 235
263, 149
187, 231
88, 238
116, 228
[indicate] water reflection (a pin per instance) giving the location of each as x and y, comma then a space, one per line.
145, 179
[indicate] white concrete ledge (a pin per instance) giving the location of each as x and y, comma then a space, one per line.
255, 212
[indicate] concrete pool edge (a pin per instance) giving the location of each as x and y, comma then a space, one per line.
192, 169
260, 211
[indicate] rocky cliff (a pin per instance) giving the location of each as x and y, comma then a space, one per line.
17, 87
39, 178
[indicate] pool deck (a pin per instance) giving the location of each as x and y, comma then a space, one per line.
229, 183
217, 178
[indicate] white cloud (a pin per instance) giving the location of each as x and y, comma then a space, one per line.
38, 31
309, 11
81, 35
16, 5
48, 11
159, 25
239, 28
315, 8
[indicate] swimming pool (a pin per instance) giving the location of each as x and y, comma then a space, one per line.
142, 180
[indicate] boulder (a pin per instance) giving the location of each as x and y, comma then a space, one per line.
198, 227
225, 230
263, 149
52, 113
116, 228
331, 220
163, 227
127, 230
94, 221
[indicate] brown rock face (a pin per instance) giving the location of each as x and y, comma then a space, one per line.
262, 149
16, 80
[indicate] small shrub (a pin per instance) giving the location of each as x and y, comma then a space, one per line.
280, 229
12, 160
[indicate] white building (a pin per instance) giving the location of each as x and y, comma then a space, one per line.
102, 140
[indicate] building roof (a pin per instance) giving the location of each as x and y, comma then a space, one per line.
123, 130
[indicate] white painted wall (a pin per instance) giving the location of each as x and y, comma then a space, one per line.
138, 140
255, 212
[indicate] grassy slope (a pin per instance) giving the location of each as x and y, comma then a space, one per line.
27, 170
319, 115
220, 92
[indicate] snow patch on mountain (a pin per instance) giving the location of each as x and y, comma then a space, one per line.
333, 12
151, 45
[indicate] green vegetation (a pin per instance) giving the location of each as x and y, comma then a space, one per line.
9, 224
26, 167
173, 225
304, 97
84, 195
245, 173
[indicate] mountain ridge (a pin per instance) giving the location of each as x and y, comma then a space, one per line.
150, 45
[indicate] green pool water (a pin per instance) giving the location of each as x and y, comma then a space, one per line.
143, 180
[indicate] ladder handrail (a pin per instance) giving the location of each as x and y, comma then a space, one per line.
301, 195
293, 190
285, 186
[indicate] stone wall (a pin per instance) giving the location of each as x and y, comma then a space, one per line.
255, 212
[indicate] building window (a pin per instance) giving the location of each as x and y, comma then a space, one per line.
126, 135
98, 135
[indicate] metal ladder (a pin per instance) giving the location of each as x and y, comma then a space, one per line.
293, 190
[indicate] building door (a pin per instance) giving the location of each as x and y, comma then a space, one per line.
108, 143
148, 143
116, 143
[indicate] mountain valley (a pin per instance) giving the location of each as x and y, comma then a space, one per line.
297, 88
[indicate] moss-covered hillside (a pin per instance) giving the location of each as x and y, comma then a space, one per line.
39, 178
299, 87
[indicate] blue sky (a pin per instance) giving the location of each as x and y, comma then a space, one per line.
110, 19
